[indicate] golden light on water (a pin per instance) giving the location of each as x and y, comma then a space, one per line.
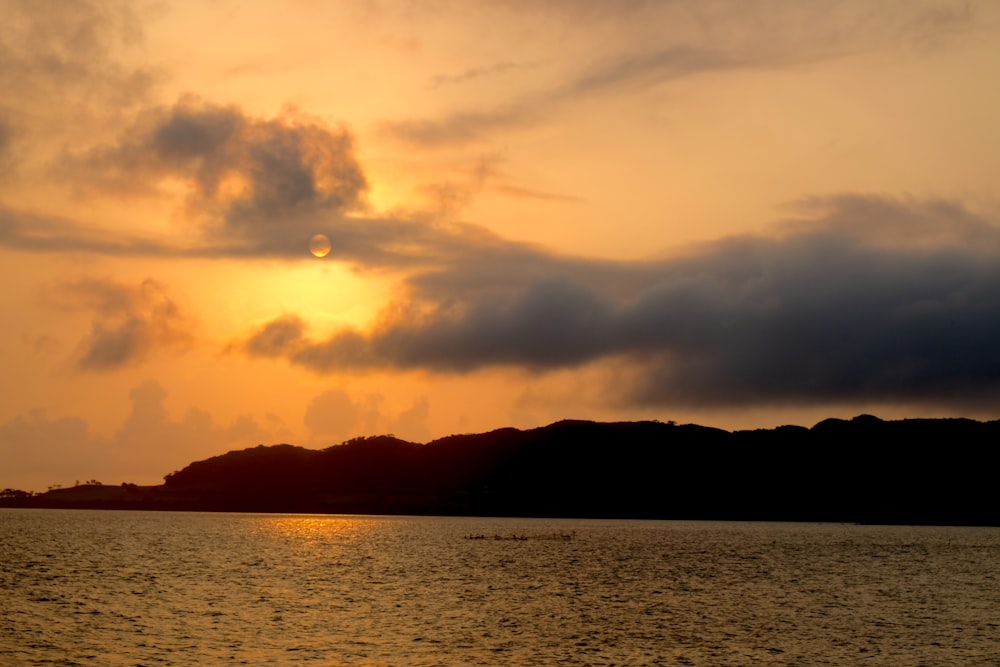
313, 528
319, 245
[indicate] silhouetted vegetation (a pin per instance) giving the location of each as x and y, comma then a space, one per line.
915, 471
15, 493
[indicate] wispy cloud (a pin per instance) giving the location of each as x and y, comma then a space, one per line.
7, 146
695, 38
476, 74
529, 193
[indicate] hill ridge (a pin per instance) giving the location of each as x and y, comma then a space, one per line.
919, 471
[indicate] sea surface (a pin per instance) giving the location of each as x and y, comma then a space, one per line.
163, 588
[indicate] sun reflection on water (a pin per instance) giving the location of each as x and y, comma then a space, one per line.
316, 527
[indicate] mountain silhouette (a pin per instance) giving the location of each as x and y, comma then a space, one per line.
865, 470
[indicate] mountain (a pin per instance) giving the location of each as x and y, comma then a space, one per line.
912, 471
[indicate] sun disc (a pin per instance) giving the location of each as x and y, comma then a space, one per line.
319, 245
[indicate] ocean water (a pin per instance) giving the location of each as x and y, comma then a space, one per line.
146, 588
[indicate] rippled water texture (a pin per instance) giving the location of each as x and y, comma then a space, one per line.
136, 588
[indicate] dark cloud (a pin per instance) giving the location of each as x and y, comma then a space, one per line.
277, 338
549, 325
814, 320
828, 311
258, 188
261, 180
129, 323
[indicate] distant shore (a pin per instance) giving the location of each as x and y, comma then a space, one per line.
865, 470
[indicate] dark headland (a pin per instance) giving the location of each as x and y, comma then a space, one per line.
865, 470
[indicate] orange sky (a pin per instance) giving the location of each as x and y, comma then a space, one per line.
737, 213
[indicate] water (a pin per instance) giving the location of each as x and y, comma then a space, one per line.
138, 588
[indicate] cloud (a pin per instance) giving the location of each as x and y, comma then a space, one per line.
528, 193
630, 70
893, 223
652, 67
39, 450
468, 126
671, 41
8, 157
398, 241
335, 416
463, 127
260, 180
277, 338
129, 323
475, 74
42, 451
332, 413
38, 232
6, 139
70, 52
256, 188
68, 72
411, 424
829, 310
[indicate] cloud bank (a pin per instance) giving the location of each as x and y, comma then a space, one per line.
869, 298
43, 450
861, 297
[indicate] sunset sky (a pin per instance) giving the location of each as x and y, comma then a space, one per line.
735, 213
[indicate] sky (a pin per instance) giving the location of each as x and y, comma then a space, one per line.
737, 213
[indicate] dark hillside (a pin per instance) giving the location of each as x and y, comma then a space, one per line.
937, 471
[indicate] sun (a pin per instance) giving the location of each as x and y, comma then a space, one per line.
319, 245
